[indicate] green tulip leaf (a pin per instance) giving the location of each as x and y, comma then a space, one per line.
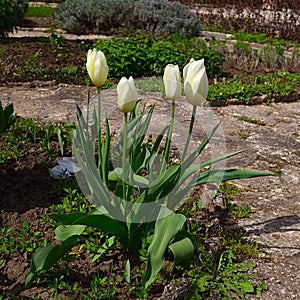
63, 232
182, 250
226, 175
99, 221
165, 230
46, 257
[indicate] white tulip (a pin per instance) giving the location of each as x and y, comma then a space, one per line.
172, 82
195, 82
127, 94
97, 67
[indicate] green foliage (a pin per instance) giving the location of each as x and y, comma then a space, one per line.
23, 134
7, 117
39, 11
261, 38
108, 16
241, 248
231, 194
19, 138
11, 12
64, 133
221, 276
272, 85
22, 240
147, 55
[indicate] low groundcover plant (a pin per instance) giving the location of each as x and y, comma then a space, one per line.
134, 188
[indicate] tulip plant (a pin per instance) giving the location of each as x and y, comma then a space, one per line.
136, 199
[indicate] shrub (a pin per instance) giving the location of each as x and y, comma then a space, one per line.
161, 16
107, 16
11, 11
148, 54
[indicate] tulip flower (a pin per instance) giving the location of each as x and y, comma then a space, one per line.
195, 89
195, 82
127, 94
172, 82
97, 67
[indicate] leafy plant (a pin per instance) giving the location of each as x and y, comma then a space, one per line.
18, 139
231, 194
166, 229
272, 85
224, 278
146, 55
64, 132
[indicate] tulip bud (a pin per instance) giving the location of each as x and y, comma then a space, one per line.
172, 82
127, 94
195, 82
97, 67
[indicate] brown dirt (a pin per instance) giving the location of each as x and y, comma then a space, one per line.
26, 189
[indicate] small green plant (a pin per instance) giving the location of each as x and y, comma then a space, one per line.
55, 38
249, 120
7, 117
221, 276
64, 133
23, 240
19, 139
272, 85
242, 249
231, 194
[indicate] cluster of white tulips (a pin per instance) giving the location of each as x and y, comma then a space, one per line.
195, 85
195, 81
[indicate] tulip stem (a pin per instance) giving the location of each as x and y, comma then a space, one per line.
188, 138
168, 141
124, 155
99, 110
99, 129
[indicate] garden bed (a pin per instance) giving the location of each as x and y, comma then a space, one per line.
28, 194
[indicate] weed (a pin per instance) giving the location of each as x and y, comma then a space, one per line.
249, 120
230, 192
241, 249
262, 38
221, 276
19, 138
282, 84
